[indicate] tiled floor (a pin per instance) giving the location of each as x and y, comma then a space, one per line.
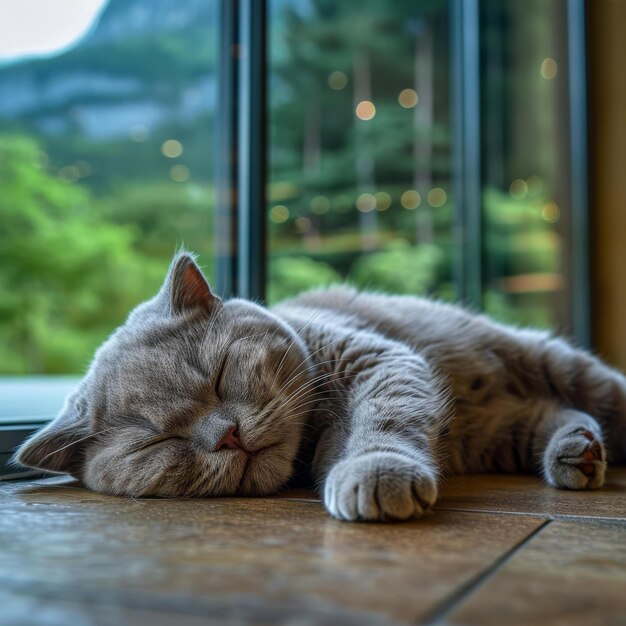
497, 550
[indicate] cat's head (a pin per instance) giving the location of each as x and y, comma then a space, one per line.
190, 396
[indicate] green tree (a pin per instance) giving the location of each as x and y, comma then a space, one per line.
67, 277
400, 268
291, 275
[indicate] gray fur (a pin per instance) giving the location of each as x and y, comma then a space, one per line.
376, 397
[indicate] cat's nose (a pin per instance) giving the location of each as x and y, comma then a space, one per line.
230, 440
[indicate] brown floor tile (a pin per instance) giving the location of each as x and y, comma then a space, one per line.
529, 494
239, 560
28, 610
571, 573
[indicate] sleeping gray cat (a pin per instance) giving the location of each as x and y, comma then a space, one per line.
372, 397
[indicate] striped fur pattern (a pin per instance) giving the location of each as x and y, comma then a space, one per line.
373, 398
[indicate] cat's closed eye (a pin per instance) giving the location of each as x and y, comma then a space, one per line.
217, 384
157, 440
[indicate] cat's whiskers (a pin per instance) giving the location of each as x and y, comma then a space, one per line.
75, 441
312, 354
306, 389
287, 413
320, 394
314, 366
303, 400
316, 398
322, 410
318, 379
315, 408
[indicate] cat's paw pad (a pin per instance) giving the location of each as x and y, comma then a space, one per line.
575, 459
379, 486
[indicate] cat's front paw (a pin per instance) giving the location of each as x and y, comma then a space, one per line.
575, 459
379, 486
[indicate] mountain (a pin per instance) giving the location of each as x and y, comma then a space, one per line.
143, 65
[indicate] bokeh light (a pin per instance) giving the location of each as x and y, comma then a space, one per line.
179, 173
365, 110
279, 214
337, 80
383, 200
437, 197
550, 212
408, 98
549, 68
518, 188
172, 148
366, 202
410, 199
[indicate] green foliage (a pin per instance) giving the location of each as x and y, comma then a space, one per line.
522, 262
529, 310
291, 275
67, 275
164, 216
519, 239
400, 268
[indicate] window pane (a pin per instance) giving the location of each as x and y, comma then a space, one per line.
525, 161
106, 166
27, 399
359, 172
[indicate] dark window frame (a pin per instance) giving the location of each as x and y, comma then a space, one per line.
242, 266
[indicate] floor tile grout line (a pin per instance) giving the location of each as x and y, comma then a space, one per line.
452, 600
551, 516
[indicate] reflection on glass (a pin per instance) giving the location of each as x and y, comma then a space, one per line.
105, 168
525, 192
359, 146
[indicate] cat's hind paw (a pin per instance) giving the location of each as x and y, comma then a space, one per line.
575, 459
379, 486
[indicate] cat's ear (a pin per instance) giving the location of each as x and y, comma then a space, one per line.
186, 287
60, 446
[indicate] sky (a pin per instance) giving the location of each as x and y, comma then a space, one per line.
42, 27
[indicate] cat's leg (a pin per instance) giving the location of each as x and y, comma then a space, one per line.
380, 463
583, 382
574, 456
